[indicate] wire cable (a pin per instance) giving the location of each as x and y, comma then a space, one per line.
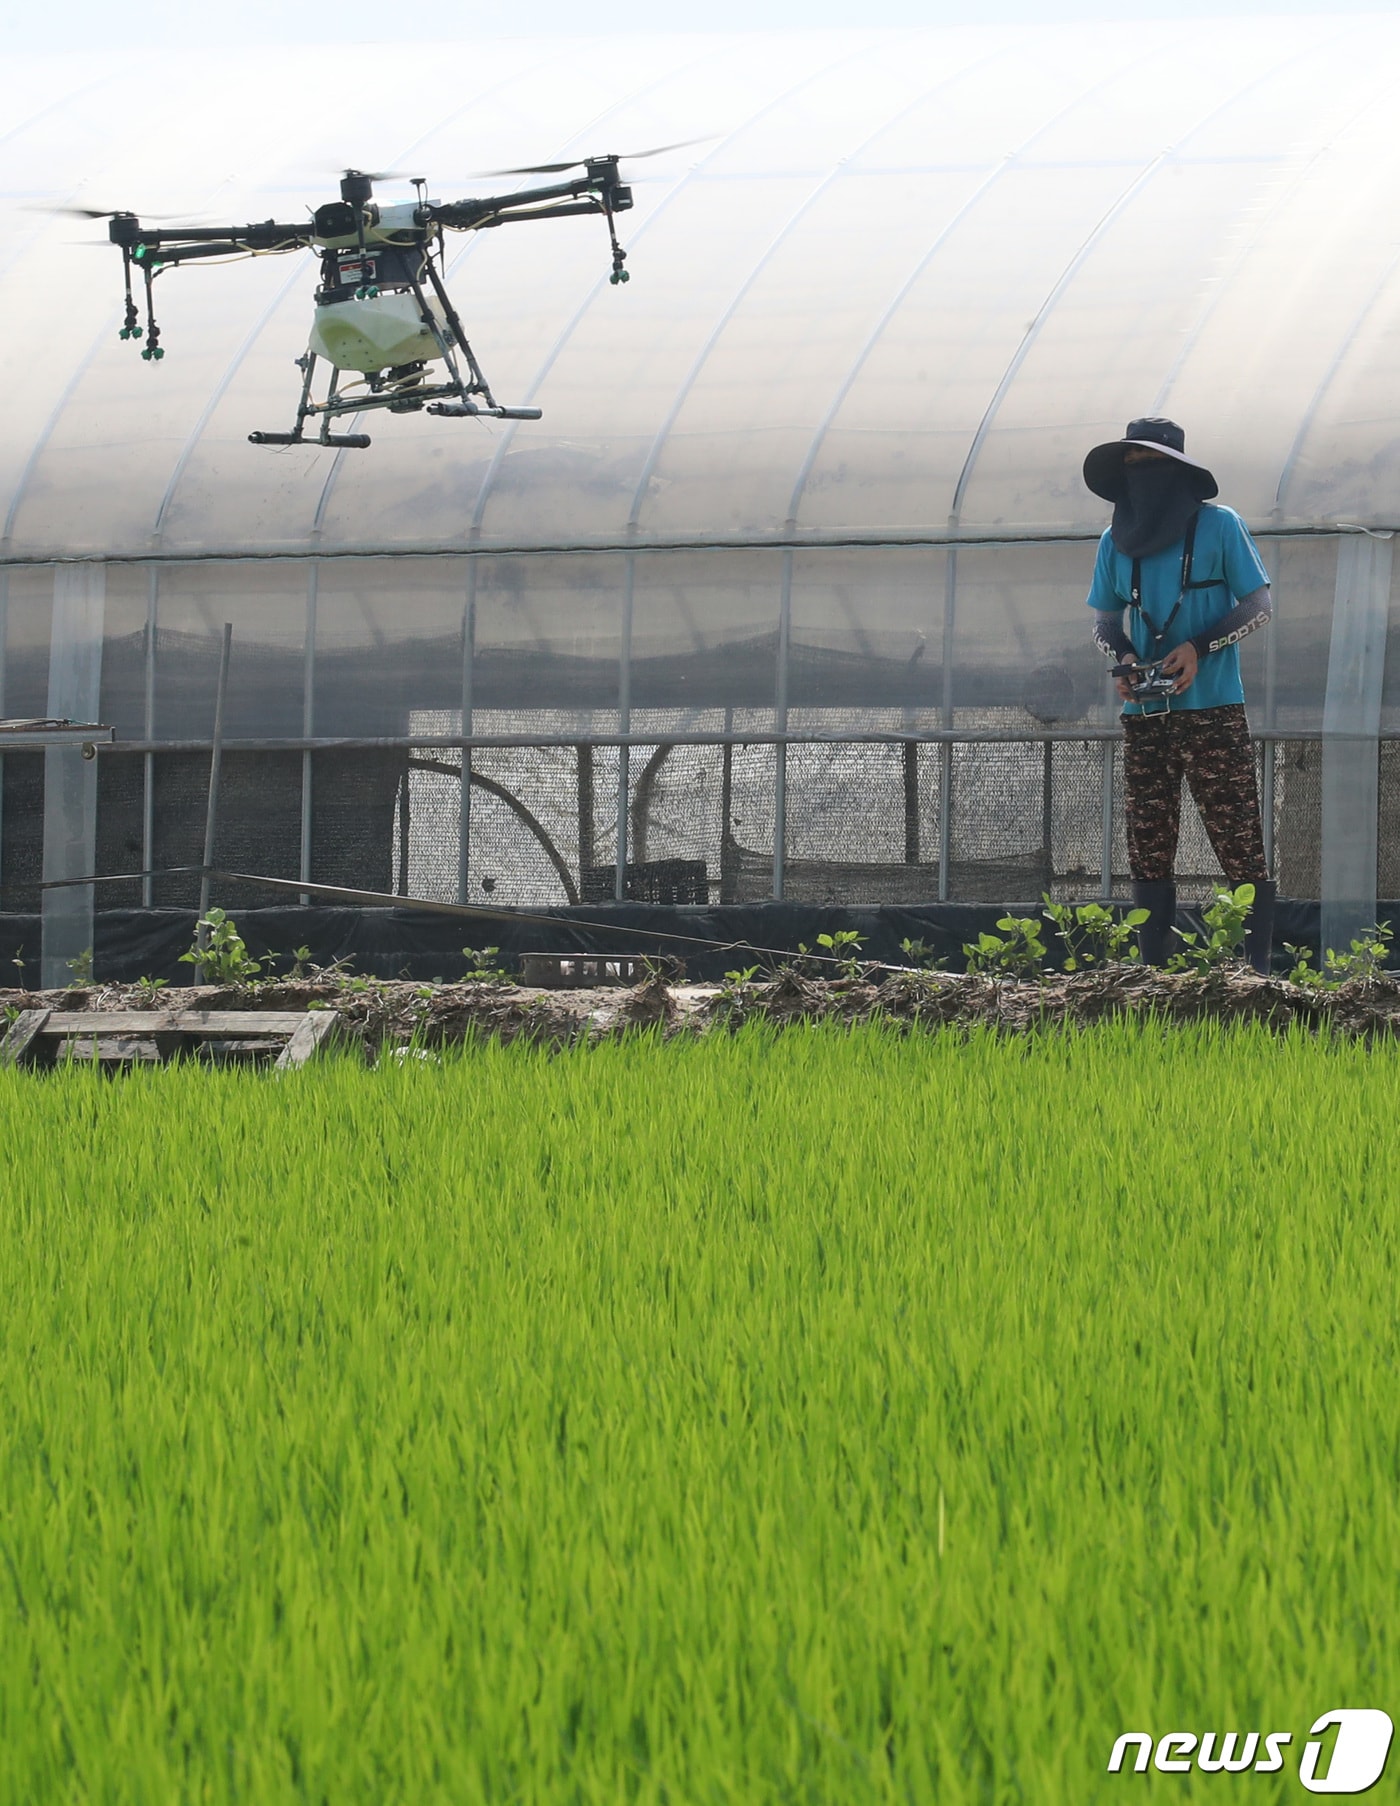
468, 911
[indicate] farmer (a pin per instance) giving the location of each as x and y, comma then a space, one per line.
1192, 583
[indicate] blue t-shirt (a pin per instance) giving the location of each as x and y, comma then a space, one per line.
1226, 558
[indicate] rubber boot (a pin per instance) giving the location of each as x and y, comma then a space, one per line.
1259, 927
1154, 937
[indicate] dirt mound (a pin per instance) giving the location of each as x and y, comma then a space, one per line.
938, 1000
384, 1012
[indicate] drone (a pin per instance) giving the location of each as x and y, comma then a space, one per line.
382, 311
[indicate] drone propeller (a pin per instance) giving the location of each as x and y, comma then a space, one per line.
98, 212
553, 169
376, 175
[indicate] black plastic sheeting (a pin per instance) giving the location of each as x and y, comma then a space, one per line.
409, 943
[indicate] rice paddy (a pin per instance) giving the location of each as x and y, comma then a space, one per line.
815, 1416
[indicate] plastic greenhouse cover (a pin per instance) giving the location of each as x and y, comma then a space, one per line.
895, 297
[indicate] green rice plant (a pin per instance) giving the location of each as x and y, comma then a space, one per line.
818, 1416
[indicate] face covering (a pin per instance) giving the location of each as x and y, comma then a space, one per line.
1155, 507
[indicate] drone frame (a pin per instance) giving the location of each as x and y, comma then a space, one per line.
400, 389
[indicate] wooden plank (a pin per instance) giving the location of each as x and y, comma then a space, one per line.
239, 1022
114, 1049
145, 1023
315, 1029
14, 1049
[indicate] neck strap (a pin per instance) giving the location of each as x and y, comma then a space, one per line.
1188, 554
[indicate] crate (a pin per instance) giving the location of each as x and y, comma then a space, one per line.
584, 971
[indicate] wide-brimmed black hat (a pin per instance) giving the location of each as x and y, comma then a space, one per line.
1103, 468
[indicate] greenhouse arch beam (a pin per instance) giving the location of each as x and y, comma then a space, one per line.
80, 370
64, 100
663, 432
221, 388
1043, 313
1280, 201
1076, 263
556, 351
901, 294
1329, 376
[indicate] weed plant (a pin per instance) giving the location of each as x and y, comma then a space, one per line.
814, 1417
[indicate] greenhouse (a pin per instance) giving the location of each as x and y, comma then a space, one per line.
783, 597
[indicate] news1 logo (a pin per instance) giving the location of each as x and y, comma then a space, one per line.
1357, 1763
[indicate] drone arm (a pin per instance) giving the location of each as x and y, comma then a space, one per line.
148, 255
565, 211
126, 230
602, 192
465, 214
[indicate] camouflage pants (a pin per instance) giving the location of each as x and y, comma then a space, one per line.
1212, 750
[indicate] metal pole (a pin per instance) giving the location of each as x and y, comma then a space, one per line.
4, 645
1047, 813
945, 817
745, 736
308, 717
464, 828
404, 830
1270, 751
585, 821
945, 768
780, 712
211, 814
726, 808
911, 803
1106, 854
148, 761
624, 725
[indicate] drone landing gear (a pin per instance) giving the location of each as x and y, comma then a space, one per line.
356, 440
462, 410
327, 409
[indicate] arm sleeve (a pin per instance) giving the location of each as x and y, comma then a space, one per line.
1249, 613
1109, 636
1107, 605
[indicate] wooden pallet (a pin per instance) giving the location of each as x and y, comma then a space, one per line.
124, 1037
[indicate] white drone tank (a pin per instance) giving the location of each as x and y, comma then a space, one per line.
376, 332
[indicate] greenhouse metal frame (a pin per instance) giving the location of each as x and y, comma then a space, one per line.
785, 594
